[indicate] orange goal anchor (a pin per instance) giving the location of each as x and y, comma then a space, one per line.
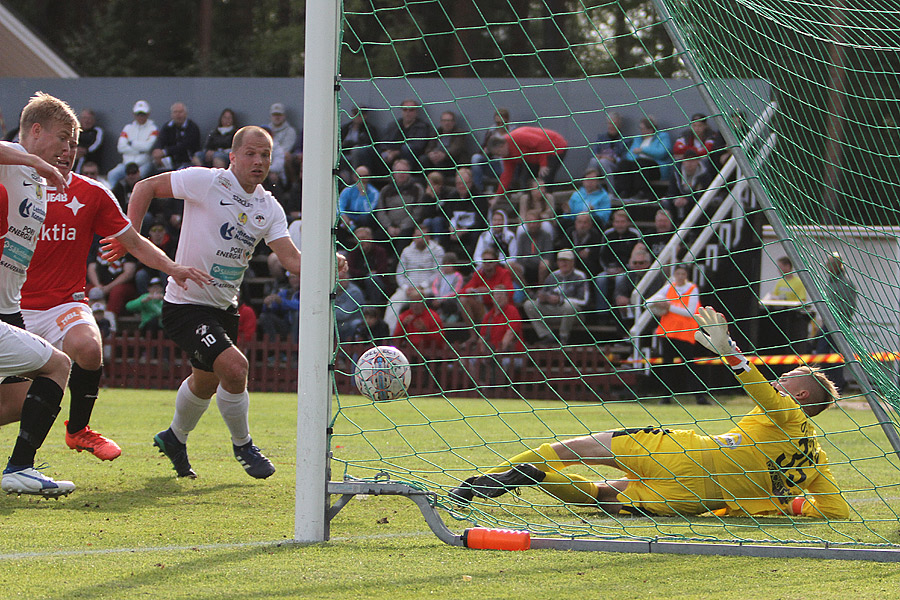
483, 538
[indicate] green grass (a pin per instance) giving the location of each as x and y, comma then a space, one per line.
132, 530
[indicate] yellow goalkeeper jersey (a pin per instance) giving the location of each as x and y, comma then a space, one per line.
771, 456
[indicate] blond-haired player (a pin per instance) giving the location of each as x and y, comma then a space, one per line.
769, 463
46, 129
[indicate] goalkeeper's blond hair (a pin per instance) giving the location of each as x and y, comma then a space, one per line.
824, 394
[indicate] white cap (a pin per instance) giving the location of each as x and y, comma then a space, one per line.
277, 109
141, 106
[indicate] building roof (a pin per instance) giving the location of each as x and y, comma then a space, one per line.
25, 54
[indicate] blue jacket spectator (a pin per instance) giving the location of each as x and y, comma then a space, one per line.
590, 197
348, 313
357, 202
281, 310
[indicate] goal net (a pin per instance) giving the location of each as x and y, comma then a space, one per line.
527, 188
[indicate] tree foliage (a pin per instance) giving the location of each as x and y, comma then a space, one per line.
265, 38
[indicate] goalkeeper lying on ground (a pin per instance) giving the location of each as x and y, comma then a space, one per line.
769, 464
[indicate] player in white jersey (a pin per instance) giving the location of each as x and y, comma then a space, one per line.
46, 127
226, 214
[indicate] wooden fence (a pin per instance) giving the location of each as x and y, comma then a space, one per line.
579, 373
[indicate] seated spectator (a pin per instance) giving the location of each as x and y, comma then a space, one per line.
419, 265
218, 143
790, 287
590, 198
159, 235
357, 202
106, 321
609, 149
135, 144
476, 294
449, 150
621, 239
294, 162
537, 197
648, 159
368, 264
500, 332
464, 212
626, 310
563, 295
498, 237
149, 307
689, 181
285, 138
534, 252
91, 170
444, 293
407, 137
348, 303
585, 239
528, 153
123, 188
356, 143
375, 329
114, 279
178, 141
483, 167
400, 204
90, 142
421, 326
663, 230
699, 138
277, 180
280, 311
435, 192
506, 202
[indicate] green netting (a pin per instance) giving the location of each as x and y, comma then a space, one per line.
806, 167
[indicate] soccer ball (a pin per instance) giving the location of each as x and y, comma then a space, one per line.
382, 373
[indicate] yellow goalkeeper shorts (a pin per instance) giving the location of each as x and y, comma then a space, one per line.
669, 469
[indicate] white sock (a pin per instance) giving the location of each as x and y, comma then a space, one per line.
188, 410
235, 409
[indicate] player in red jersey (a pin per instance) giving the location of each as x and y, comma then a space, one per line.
54, 304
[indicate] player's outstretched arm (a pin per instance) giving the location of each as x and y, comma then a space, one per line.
11, 156
145, 190
148, 253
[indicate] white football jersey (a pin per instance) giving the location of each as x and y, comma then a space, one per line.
26, 210
221, 227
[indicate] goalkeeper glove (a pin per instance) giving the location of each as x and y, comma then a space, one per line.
713, 335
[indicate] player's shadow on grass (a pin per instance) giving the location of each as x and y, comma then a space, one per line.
156, 490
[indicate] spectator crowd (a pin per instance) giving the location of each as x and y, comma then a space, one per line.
450, 235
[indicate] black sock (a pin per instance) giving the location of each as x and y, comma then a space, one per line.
38, 413
83, 387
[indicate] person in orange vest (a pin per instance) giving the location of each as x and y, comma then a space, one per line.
675, 306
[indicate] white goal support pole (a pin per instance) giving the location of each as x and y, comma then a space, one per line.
317, 273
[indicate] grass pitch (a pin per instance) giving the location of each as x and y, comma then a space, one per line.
132, 530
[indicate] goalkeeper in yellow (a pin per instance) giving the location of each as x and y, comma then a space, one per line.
770, 463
